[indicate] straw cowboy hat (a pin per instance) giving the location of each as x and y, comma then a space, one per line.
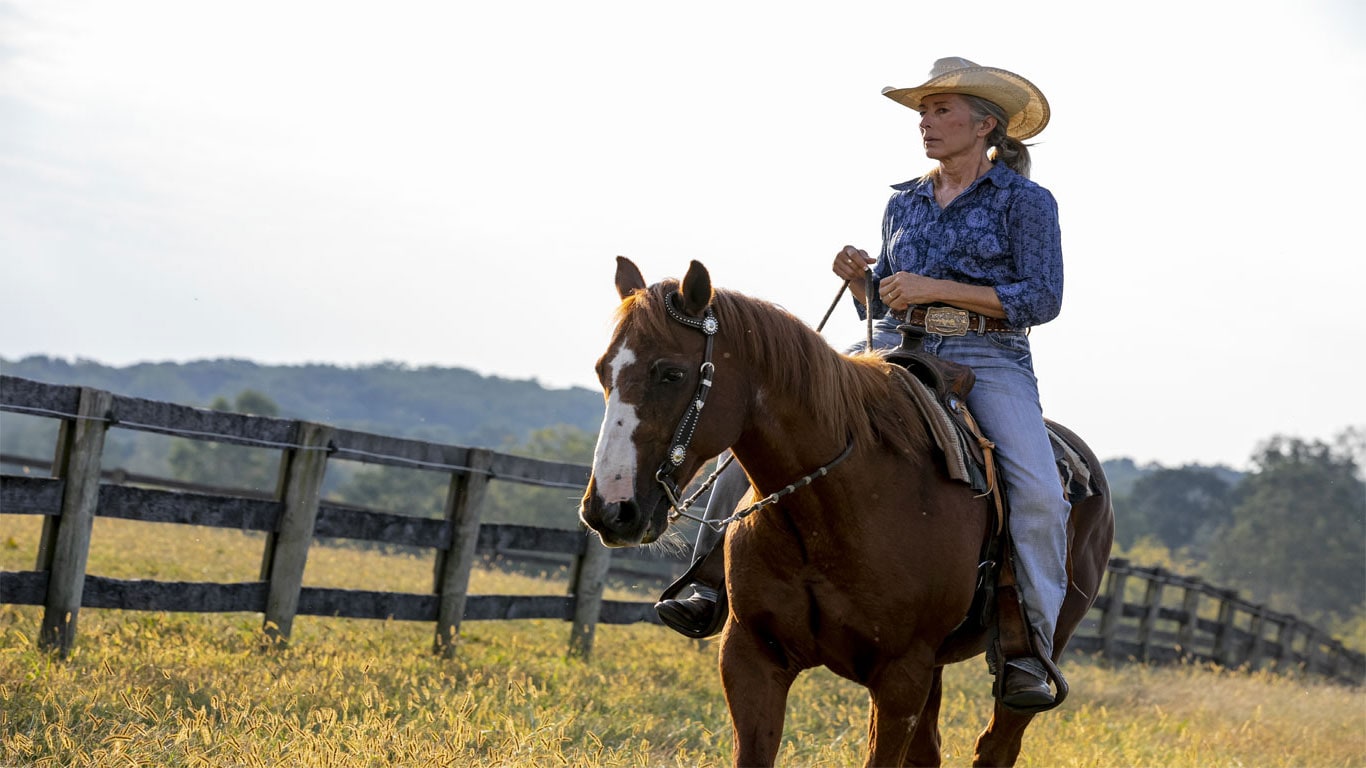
1023, 102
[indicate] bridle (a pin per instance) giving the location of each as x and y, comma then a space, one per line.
687, 425
678, 447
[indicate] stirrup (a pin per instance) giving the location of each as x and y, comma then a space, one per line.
1052, 675
719, 614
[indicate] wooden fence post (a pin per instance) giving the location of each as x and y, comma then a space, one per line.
65, 546
1223, 636
1285, 637
1258, 645
1115, 577
463, 509
1152, 603
287, 549
47, 542
1190, 607
1313, 651
588, 587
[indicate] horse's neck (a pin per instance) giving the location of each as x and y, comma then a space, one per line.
785, 438
777, 450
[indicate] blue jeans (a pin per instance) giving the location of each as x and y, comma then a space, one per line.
1005, 403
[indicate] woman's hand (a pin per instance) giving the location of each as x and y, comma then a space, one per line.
850, 265
903, 289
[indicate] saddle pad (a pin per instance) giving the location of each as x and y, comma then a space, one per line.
1073, 470
964, 464
946, 434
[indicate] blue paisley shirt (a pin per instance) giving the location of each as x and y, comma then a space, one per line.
1002, 231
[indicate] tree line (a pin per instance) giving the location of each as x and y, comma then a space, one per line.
1291, 532
441, 405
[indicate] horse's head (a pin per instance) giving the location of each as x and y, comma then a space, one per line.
655, 375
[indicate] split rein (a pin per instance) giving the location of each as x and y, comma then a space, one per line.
683, 433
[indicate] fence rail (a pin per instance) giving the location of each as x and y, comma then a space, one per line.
1145, 614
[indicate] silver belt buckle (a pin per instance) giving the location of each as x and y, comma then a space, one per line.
946, 321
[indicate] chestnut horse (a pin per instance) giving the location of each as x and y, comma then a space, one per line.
867, 559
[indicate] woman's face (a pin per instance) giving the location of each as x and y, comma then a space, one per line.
947, 127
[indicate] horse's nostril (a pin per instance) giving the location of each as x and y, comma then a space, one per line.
623, 515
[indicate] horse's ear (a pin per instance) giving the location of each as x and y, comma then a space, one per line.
629, 279
696, 289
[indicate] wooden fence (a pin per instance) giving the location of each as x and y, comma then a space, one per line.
1153, 615
1144, 614
73, 495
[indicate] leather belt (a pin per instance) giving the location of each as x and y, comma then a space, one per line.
952, 321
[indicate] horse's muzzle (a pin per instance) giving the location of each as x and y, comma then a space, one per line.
619, 523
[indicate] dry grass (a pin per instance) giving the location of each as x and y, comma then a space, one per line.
189, 690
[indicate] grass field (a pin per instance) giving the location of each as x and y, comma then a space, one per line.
194, 690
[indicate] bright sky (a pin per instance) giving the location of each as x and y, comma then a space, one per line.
448, 183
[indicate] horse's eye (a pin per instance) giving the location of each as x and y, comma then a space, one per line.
669, 374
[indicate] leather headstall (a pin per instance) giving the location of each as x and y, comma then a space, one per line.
682, 439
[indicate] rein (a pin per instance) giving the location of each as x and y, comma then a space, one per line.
767, 501
683, 433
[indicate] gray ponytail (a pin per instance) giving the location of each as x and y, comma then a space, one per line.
1012, 152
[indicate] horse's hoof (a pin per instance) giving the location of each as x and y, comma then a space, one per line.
695, 616
1024, 691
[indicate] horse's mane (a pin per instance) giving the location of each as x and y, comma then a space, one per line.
853, 394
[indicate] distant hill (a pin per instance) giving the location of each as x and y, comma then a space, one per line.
444, 405
1123, 473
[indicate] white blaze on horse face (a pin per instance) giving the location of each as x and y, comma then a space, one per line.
614, 458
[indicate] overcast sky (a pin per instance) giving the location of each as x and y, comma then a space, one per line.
448, 184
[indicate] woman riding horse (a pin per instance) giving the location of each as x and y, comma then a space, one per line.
864, 553
971, 254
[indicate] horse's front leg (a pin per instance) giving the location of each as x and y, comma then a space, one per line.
756, 685
900, 691
925, 740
